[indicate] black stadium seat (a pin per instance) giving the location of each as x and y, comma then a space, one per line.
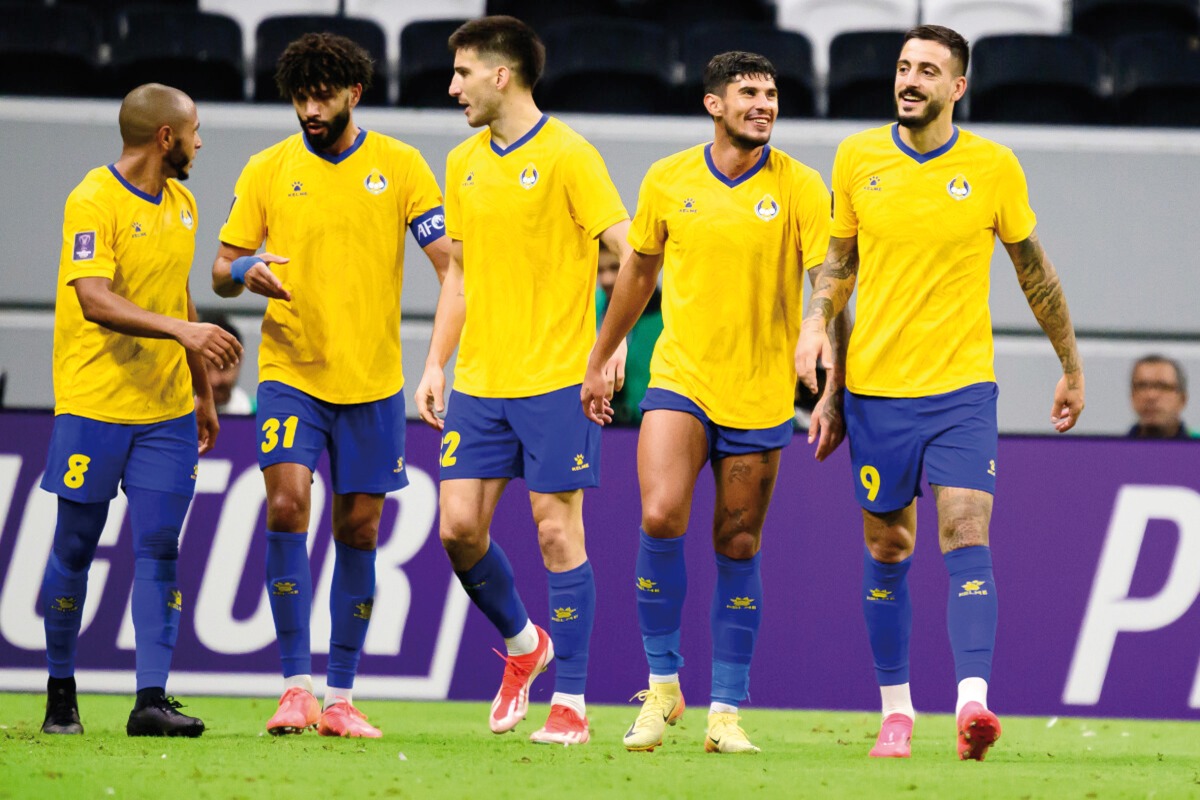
862, 73
1106, 20
196, 52
788, 51
1033, 78
540, 13
1158, 80
426, 63
606, 65
275, 33
673, 12
106, 11
48, 50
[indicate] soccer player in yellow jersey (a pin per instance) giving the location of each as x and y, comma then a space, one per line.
132, 402
526, 200
332, 202
917, 207
734, 224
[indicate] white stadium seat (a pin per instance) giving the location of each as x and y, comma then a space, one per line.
977, 18
249, 13
821, 20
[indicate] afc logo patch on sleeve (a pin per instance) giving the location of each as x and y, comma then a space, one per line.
85, 246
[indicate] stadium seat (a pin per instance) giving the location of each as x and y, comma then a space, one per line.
249, 13
862, 74
674, 12
393, 16
190, 50
540, 13
790, 52
106, 11
822, 20
275, 33
1106, 20
975, 19
1157, 80
48, 50
426, 65
606, 65
1036, 79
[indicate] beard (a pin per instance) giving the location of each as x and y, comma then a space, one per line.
333, 130
744, 141
178, 161
933, 108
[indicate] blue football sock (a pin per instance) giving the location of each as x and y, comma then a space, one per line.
971, 611
661, 589
735, 619
572, 612
289, 588
491, 588
156, 518
351, 598
64, 584
888, 612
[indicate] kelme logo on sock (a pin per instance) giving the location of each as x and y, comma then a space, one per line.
284, 588
973, 588
363, 610
565, 614
647, 585
65, 605
881, 594
175, 600
741, 604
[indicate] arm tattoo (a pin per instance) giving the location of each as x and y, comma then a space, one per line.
835, 279
1044, 293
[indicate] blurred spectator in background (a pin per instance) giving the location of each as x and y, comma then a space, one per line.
227, 395
1158, 393
640, 341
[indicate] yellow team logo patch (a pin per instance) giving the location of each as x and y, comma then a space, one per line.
647, 585
284, 588
176, 600
565, 614
65, 605
741, 604
881, 594
767, 208
185, 217
375, 183
958, 188
973, 588
580, 463
363, 610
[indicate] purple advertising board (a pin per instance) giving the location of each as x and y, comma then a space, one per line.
1096, 545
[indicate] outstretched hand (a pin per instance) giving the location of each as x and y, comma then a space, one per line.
261, 280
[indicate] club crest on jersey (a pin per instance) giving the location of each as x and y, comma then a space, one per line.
767, 208
958, 188
529, 176
375, 182
85, 246
185, 217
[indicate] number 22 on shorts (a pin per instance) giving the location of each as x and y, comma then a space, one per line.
869, 477
271, 433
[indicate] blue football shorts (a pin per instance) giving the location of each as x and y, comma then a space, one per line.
89, 459
365, 440
545, 439
953, 436
722, 441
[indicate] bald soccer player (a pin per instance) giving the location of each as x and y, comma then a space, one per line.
132, 402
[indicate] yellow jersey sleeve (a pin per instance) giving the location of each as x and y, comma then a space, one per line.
1015, 219
648, 232
88, 239
593, 199
810, 215
246, 224
845, 221
453, 209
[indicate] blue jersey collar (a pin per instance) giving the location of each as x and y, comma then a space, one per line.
503, 151
149, 198
342, 156
745, 176
922, 158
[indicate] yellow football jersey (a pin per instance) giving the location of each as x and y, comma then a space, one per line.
144, 244
528, 216
734, 255
926, 227
340, 220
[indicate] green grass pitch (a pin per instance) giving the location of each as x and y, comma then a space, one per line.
438, 750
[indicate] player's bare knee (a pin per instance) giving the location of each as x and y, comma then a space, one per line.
967, 531
361, 535
890, 545
663, 521
738, 544
287, 512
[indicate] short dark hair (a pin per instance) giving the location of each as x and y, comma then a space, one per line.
508, 38
322, 60
950, 39
223, 322
1158, 358
725, 68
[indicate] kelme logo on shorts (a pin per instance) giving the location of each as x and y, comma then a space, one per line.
580, 463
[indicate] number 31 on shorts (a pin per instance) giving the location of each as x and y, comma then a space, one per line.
869, 477
271, 433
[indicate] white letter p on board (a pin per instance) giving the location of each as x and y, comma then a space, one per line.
1110, 609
